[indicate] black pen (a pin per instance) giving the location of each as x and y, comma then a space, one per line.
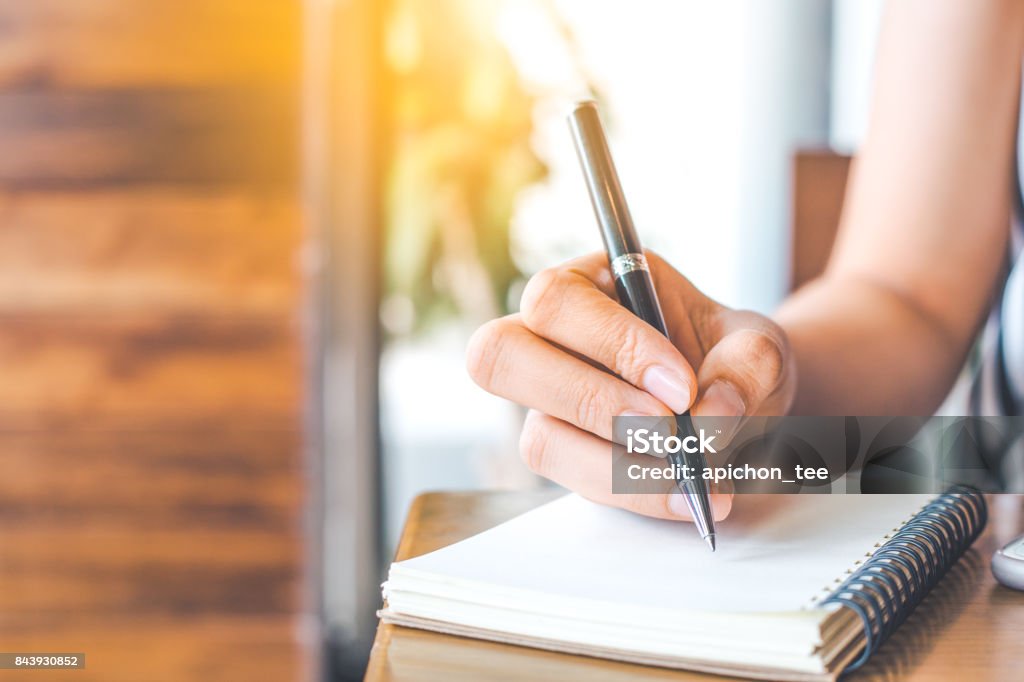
633, 283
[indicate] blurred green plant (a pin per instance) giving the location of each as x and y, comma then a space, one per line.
460, 153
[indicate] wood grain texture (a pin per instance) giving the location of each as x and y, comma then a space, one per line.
214, 477
178, 250
73, 368
819, 186
72, 138
118, 43
166, 649
64, 568
970, 627
154, 498
151, 539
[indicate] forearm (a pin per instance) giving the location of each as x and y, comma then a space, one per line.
926, 217
861, 349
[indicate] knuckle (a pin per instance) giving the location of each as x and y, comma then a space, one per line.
533, 442
628, 351
767, 370
542, 297
589, 406
484, 353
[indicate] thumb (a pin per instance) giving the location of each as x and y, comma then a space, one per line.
743, 369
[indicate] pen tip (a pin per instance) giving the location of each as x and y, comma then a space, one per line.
711, 541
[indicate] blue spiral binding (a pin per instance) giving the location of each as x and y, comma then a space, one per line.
889, 585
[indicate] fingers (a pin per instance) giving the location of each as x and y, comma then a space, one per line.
745, 369
582, 462
570, 306
507, 359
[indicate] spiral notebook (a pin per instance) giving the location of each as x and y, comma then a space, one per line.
803, 587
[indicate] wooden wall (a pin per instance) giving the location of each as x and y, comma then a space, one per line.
151, 357
819, 187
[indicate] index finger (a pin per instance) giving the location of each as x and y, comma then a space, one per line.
571, 305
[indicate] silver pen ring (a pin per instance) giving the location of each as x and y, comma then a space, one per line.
628, 262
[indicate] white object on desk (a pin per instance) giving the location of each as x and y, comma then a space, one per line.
1008, 564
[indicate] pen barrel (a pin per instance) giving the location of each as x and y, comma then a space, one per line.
696, 461
606, 195
636, 293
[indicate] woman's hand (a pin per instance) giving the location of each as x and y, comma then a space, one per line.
577, 358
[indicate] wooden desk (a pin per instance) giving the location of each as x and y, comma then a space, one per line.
969, 628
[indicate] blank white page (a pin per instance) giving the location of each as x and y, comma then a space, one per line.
775, 552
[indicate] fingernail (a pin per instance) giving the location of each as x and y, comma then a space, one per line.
722, 400
656, 424
677, 505
668, 387
720, 506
